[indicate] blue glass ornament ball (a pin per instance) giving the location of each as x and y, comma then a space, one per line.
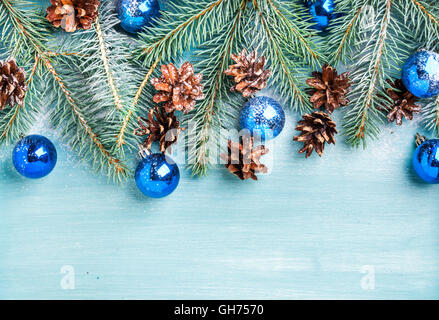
135, 15
322, 12
420, 74
34, 156
426, 161
157, 175
262, 116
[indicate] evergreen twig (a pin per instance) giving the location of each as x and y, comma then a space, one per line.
204, 138
22, 35
431, 116
342, 42
423, 18
126, 125
371, 35
102, 80
367, 89
275, 32
26, 35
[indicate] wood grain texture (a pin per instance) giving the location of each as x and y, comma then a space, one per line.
304, 231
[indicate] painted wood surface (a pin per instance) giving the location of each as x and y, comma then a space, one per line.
305, 230
352, 224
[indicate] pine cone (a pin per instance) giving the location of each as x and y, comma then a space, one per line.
330, 89
178, 88
13, 85
249, 73
403, 102
73, 14
317, 128
160, 126
243, 160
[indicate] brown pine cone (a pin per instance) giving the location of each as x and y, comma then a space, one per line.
248, 72
160, 126
317, 128
330, 89
243, 160
13, 84
73, 14
178, 88
402, 103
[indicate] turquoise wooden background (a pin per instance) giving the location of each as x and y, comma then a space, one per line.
315, 228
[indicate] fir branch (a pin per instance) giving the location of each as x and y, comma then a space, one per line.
101, 80
359, 118
115, 168
424, 10
287, 72
292, 18
56, 54
423, 18
121, 136
382, 47
103, 55
106, 65
342, 37
22, 35
206, 124
431, 116
187, 23
22, 30
31, 31
11, 125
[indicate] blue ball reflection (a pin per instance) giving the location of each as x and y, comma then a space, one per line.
262, 116
420, 74
426, 161
34, 156
134, 15
322, 12
157, 175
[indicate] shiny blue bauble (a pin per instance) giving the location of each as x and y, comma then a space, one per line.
263, 117
322, 12
420, 74
426, 161
34, 156
134, 15
157, 175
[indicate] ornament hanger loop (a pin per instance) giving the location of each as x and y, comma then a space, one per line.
143, 151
